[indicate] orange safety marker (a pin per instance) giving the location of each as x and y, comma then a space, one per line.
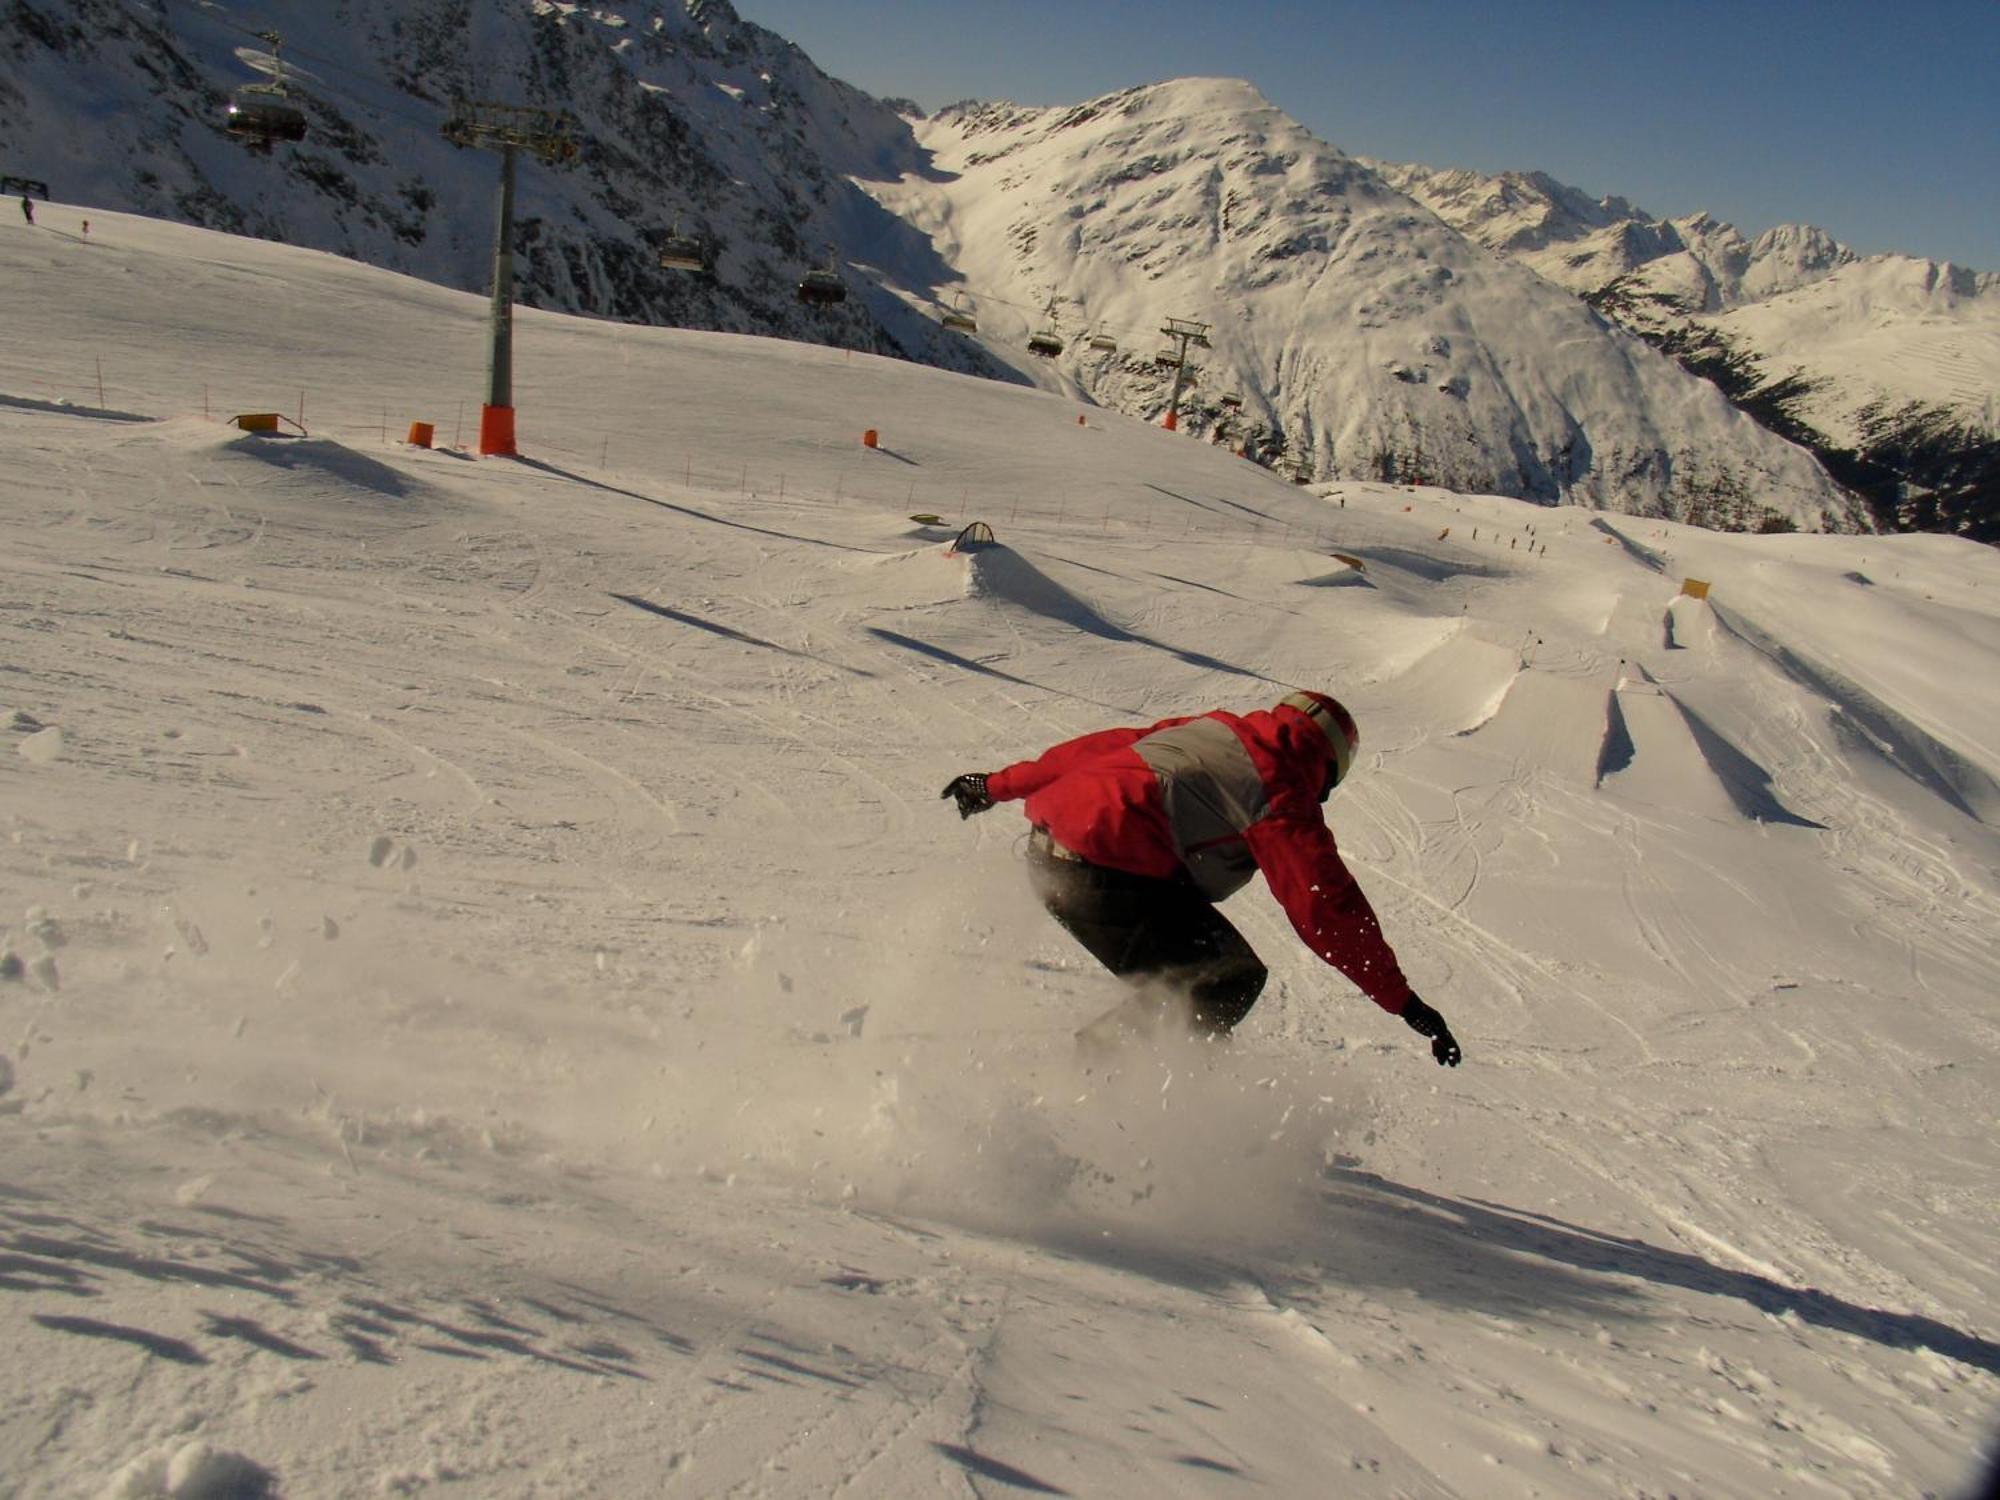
421, 434
868, 438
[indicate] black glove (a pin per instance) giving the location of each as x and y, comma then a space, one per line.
1426, 1022
970, 790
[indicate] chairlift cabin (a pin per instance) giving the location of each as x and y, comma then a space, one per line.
1103, 342
822, 286
1231, 400
957, 319
822, 289
682, 252
1046, 341
262, 114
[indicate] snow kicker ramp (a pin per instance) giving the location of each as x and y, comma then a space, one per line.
1872, 728
1006, 577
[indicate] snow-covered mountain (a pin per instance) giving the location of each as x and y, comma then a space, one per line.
689, 118
1887, 366
1361, 332
1364, 336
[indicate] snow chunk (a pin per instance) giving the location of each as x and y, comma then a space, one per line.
42, 748
195, 1471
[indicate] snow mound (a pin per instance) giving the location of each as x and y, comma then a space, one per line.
192, 1471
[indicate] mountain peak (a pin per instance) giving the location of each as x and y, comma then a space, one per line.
1209, 93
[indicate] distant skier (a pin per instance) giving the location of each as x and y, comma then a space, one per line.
1137, 833
27, 208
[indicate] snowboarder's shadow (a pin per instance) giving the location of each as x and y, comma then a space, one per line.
1488, 1257
1390, 1231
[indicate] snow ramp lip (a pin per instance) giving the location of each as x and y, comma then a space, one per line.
1657, 749
327, 459
1871, 726
69, 409
1001, 574
1638, 551
1427, 566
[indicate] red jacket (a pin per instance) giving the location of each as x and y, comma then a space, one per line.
1220, 797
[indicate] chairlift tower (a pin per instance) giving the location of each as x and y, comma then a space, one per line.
508, 129
1186, 333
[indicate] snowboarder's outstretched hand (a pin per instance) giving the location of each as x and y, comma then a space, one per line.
970, 790
1426, 1022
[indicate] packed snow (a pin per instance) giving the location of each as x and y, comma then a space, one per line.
494, 1003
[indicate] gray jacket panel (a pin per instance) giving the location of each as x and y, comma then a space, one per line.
1212, 792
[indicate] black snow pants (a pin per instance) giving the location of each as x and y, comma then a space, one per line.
1157, 934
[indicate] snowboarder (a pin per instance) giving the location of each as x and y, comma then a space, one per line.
27, 208
1137, 833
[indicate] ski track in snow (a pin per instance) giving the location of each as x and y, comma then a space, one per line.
500, 1008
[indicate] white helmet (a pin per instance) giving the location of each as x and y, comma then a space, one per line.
1332, 720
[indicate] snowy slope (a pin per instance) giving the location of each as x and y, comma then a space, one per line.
498, 1007
1371, 336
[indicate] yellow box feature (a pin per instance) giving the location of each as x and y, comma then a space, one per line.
258, 421
1695, 588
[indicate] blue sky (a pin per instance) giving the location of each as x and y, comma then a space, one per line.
1877, 121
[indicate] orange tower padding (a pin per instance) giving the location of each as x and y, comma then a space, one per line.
496, 432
